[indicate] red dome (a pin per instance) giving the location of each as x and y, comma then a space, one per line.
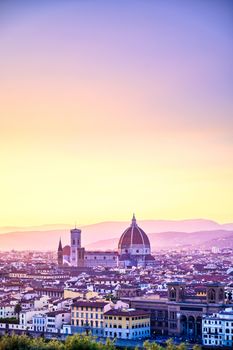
133, 235
66, 250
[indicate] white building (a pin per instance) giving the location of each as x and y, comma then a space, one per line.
7, 310
39, 322
25, 316
217, 329
56, 319
50, 321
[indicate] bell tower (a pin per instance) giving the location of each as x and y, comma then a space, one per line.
176, 291
76, 251
215, 293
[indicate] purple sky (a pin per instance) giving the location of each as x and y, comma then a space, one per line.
100, 86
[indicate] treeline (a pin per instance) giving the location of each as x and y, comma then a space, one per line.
75, 342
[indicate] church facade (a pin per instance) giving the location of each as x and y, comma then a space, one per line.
133, 250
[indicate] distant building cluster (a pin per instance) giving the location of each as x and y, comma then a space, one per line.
186, 295
133, 250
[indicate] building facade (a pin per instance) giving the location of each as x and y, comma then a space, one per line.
126, 324
88, 316
179, 314
217, 329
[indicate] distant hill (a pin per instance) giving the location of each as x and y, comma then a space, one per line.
168, 240
105, 235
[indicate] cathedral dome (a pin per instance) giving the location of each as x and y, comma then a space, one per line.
134, 237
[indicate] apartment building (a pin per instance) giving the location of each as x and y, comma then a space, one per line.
217, 329
126, 324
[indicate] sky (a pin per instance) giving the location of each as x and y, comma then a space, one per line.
114, 107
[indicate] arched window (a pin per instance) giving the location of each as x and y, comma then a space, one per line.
221, 295
211, 295
172, 294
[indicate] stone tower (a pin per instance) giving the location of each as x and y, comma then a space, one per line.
60, 254
215, 293
76, 251
176, 291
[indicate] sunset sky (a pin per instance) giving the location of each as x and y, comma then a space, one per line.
114, 107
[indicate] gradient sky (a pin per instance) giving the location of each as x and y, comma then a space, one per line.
114, 107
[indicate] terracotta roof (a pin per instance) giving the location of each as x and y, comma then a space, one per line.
90, 303
120, 312
133, 235
66, 250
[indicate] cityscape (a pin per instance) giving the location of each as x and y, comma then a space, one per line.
116, 181
129, 295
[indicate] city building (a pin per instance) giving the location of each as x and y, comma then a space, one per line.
87, 316
126, 324
180, 314
217, 329
134, 247
133, 250
56, 319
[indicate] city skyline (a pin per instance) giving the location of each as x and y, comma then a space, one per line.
110, 108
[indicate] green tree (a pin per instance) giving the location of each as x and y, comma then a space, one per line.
170, 345
197, 347
15, 342
82, 342
151, 346
17, 310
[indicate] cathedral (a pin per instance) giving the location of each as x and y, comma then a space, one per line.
133, 250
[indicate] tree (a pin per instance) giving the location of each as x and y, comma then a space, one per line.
15, 342
151, 346
197, 347
17, 310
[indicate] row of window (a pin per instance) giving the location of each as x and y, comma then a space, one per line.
87, 315
119, 334
83, 323
140, 325
217, 330
39, 320
218, 322
90, 308
127, 318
